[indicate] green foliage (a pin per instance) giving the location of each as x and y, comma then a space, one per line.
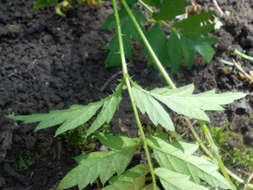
169, 9
133, 179
237, 154
174, 180
42, 3
186, 46
129, 32
177, 164
75, 116
186, 38
77, 139
175, 159
100, 164
27, 159
181, 100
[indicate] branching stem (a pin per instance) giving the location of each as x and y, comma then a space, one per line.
208, 153
216, 153
127, 82
147, 45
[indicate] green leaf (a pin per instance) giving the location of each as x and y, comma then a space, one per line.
186, 46
150, 187
169, 9
75, 116
197, 168
132, 179
105, 116
147, 104
194, 24
98, 164
113, 59
194, 105
116, 142
71, 118
42, 3
176, 181
152, 2
110, 23
128, 30
157, 40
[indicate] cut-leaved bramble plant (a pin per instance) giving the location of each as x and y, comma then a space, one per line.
175, 164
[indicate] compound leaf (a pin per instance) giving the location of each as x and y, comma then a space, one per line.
113, 59
173, 158
176, 181
98, 164
194, 105
157, 40
116, 142
128, 30
71, 118
132, 179
186, 46
194, 24
147, 104
75, 116
105, 116
169, 9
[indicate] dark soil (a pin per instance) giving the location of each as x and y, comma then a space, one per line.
51, 63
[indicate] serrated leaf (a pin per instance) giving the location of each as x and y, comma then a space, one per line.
132, 179
186, 46
169, 9
75, 116
157, 40
105, 116
116, 142
194, 105
113, 59
110, 23
98, 164
128, 31
71, 118
147, 104
176, 181
197, 168
194, 24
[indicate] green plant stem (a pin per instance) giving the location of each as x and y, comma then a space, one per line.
196, 136
243, 55
147, 45
208, 153
126, 79
216, 153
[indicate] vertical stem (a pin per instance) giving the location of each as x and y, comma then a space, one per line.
126, 78
215, 152
147, 45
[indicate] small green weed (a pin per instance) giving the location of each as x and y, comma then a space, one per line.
27, 159
232, 148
